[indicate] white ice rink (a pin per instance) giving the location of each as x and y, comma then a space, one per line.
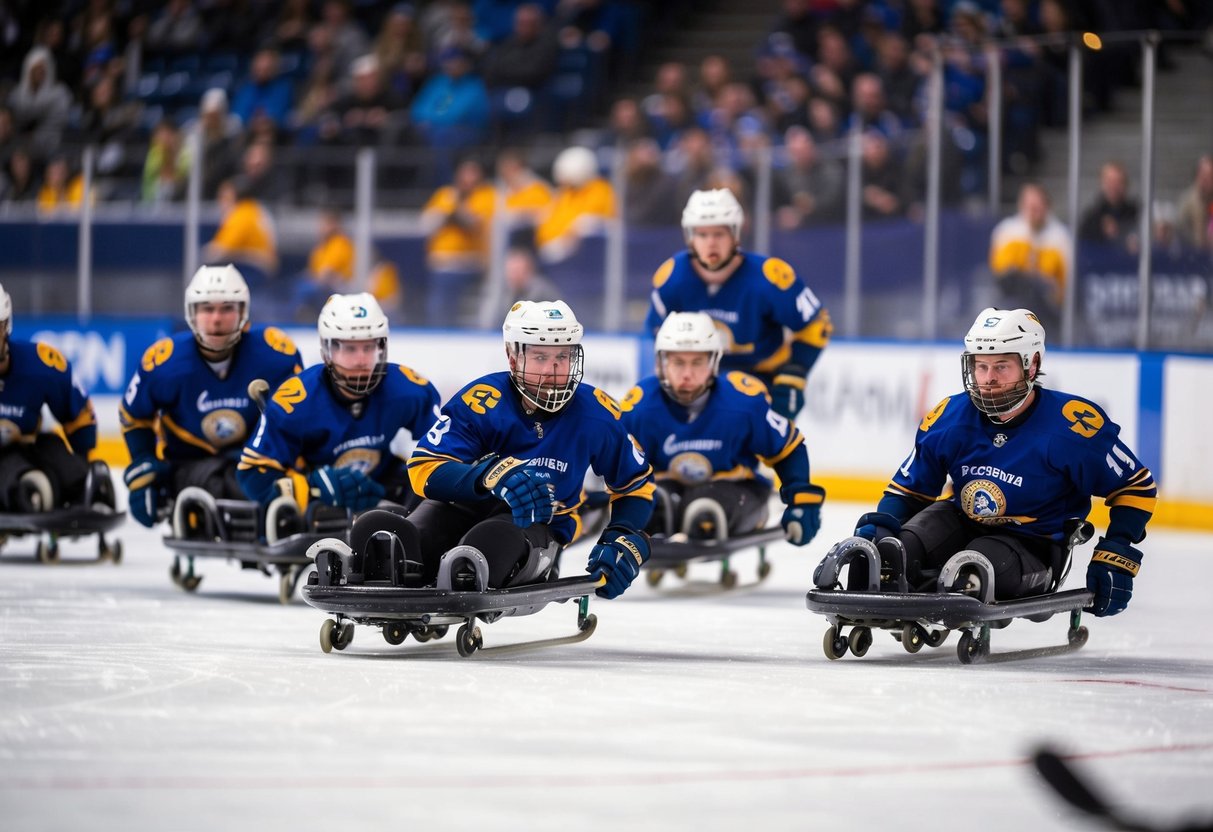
127, 704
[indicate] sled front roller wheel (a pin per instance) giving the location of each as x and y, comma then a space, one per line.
834, 645
468, 640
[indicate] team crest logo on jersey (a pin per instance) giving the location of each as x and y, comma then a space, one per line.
224, 427
359, 459
983, 501
9, 432
691, 468
1000, 439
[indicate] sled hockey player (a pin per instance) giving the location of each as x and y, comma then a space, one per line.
502, 469
756, 300
39, 472
1022, 460
190, 394
350, 420
705, 435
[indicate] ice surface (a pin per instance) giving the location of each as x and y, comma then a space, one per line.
128, 704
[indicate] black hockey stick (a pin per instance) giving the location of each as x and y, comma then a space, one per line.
1058, 774
258, 390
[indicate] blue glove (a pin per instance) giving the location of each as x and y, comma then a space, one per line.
1110, 575
877, 525
345, 488
802, 518
526, 490
146, 479
787, 391
618, 555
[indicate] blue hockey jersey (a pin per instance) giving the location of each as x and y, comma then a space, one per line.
201, 414
307, 424
1027, 478
752, 308
38, 374
724, 442
486, 418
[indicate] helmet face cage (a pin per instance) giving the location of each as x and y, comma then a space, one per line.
1003, 332
359, 384
538, 388
217, 284
347, 319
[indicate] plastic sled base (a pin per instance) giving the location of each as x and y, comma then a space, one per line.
288, 556
675, 553
426, 613
913, 617
65, 522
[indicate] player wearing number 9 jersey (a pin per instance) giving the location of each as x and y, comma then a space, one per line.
504, 466
350, 421
773, 325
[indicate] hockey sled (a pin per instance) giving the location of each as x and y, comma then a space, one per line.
382, 591
926, 618
676, 552
70, 523
272, 539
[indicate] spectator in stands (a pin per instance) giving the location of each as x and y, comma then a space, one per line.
921, 21
691, 163
246, 236
584, 202
109, 123
790, 105
593, 24
330, 270
868, 109
369, 115
61, 190
289, 30
834, 72
735, 117
347, 39
714, 74
881, 193
452, 24
800, 24
265, 94
451, 110
166, 168
18, 181
178, 28
527, 58
1195, 211
220, 139
8, 134
40, 104
626, 123
260, 175
824, 120
526, 195
651, 192
523, 280
400, 48
1031, 257
100, 49
897, 76
457, 219
1112, 220
809, 190
669, 118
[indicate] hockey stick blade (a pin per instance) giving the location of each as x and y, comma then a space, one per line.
1077, 793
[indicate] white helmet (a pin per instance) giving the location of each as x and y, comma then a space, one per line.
217, 284
6, 321
543, 324
353, 318
998, 332
709, 208
688, 332
575, 166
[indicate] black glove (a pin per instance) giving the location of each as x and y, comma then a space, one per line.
618, 555
802, 518
524, 489
787, 390
345, 488
877, 525
147, 479
1110, 575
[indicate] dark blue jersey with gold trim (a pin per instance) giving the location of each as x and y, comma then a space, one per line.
38, 374
486, 418
1027, 477
724, 441
752, 308
201, 414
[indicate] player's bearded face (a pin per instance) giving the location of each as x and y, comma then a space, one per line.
998, 383
547, 375
356, 360
217, 323
686, 374
713, 245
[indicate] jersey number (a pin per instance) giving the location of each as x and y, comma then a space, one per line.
290, 394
